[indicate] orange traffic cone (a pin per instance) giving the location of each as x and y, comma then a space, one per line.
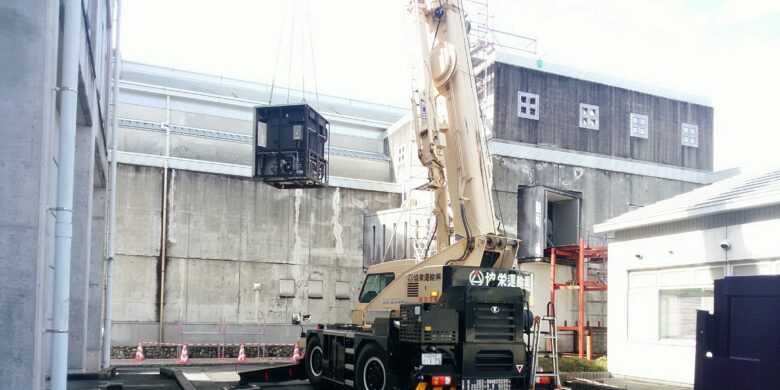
296, 354
184, 357
139, 352
241, 354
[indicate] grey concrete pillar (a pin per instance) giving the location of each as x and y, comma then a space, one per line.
95, 290
28, 68
83, 183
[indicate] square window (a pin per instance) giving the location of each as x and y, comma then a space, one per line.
589, 116
287, 288
638, 125
315, 289
690, 135
527, 105
677, 311
342, 290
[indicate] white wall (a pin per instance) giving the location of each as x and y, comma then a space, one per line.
688, 260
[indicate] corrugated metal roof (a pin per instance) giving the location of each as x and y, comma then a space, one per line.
234, 137
185, 130
357, 154
743, 191
580, 74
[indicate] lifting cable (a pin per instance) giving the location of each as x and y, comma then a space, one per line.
303, 29
278, 54
313, 61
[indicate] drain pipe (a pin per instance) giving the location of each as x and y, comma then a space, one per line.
63, 227
112, 200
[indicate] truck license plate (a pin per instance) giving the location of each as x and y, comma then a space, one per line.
431, 359
487, 384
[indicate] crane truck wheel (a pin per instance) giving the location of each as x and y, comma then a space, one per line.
371, 369
313, 363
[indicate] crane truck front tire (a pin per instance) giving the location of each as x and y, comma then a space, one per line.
313, 363
371, 369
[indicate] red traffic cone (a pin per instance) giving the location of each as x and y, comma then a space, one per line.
241, 354
184, 357
296, 354
139, 353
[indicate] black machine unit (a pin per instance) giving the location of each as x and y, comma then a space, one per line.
290, 143
546, 218
737, 346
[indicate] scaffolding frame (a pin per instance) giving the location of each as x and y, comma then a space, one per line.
582, 255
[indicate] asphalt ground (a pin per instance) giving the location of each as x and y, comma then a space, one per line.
225, 377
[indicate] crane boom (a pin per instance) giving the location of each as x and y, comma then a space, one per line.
448, 122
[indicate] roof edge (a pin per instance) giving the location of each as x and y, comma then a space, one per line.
599, 78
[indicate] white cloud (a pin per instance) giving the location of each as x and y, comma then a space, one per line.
727, 51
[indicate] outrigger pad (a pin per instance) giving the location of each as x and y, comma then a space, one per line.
274, 374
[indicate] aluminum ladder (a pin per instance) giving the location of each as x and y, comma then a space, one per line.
540, 336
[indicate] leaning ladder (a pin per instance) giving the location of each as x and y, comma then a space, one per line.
539, 337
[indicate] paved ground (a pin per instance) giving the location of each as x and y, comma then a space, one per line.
148, 378
225, 377
632, 384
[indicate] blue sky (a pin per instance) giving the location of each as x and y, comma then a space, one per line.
728, 50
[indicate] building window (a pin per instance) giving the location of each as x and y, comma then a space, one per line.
677, 311
527, 105
690, 135
401, 154
589, 116
639, 125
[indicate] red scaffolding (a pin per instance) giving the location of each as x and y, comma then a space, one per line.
581, 255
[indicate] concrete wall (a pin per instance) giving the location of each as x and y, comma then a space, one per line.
29, 40
230, 242
27, 179
677, 260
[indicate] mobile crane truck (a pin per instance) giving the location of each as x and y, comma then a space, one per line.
456, 319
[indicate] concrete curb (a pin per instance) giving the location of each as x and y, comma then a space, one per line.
177, 376
567, 376
172, 363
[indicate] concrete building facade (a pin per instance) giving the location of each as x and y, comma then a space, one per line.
30, 71
664, 258
200, 127
207, 248
636, 146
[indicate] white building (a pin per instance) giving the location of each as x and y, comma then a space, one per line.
664, 258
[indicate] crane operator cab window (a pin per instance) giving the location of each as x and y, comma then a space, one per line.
373, 285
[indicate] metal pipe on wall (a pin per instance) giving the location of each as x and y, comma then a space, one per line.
63, 227
112, 199
164, 222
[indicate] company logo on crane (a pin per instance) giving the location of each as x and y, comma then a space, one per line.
476, 278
